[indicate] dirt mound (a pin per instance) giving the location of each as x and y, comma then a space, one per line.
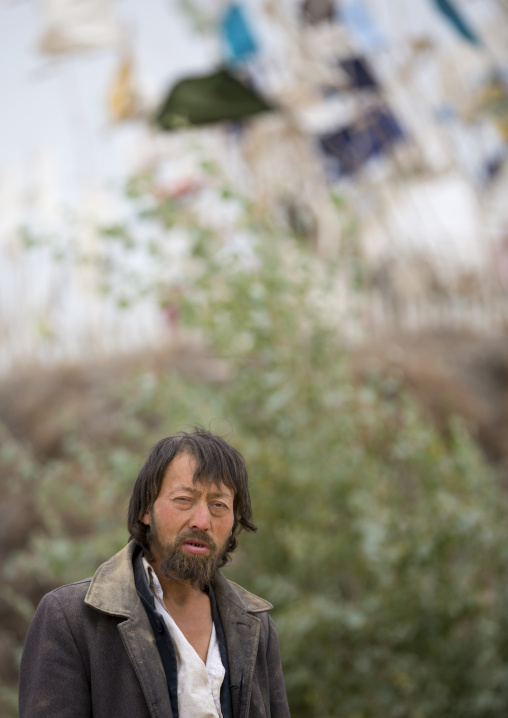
451, 373
39, 405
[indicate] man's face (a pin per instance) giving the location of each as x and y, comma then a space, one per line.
190, 524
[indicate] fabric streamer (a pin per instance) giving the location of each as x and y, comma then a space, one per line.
459, 22
237, 35
74, 25
316, 11
212, 98
355, 15
349, 148
122, 98
359, 73
493, 101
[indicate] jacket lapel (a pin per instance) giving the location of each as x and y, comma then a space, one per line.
139, 642
241, 629
113, 591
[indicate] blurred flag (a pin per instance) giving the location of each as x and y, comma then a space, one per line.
459, 22
122, 96
316, 11
349, 148
75, 25
237, 34
493, 100
359, 73
356, 17
211, 98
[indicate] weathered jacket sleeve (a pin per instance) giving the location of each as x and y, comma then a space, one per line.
54, 680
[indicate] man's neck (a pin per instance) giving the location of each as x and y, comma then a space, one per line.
180, 594
191, 610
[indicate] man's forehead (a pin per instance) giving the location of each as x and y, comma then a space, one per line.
184, 465
212, 487
198, 487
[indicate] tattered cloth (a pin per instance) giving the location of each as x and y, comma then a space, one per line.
212, 98
349, 148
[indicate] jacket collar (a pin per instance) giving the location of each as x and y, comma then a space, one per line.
113, 591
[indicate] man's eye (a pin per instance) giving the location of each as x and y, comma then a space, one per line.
218, 506
182, 499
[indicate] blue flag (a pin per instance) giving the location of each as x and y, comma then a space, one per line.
459, 22
237, 34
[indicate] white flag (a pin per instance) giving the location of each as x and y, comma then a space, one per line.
74, 25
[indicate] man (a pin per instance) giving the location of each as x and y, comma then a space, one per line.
158, 631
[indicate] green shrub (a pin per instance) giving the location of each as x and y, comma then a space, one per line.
382, 543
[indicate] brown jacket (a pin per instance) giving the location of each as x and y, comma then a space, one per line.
90, 651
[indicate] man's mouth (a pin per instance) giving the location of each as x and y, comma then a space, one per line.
196, 546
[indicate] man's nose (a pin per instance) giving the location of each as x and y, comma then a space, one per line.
200, 518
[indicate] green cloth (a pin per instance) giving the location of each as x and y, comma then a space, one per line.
458, 21
211, 98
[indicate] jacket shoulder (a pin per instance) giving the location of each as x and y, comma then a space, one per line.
67, 595
75, 586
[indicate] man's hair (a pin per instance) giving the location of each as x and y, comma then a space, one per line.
217, 462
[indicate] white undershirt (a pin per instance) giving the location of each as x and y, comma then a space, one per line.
199, 684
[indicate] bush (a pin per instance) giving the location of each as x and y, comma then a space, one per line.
382, 543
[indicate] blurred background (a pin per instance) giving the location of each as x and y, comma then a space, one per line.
286, 221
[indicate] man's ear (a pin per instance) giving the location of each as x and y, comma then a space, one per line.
146, 518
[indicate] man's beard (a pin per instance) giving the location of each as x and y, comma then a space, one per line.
181, 565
